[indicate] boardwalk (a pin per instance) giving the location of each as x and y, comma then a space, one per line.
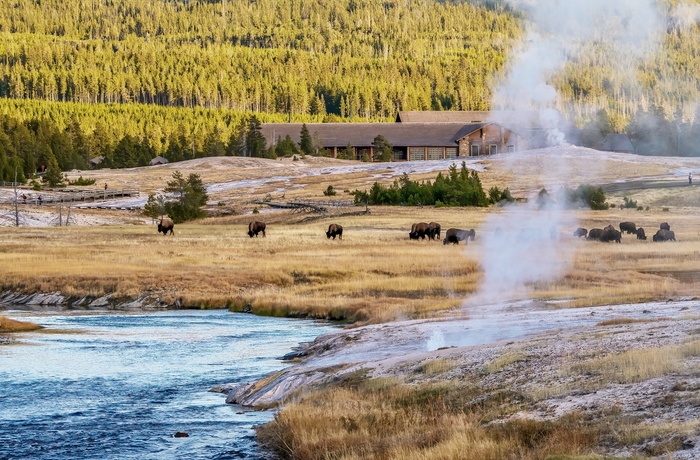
50, 196
308, 205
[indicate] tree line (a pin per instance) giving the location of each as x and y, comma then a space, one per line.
181, 79
41, 145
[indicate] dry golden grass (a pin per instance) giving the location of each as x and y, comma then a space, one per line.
505, 360
639, 364
437, 366
361, 420
374, 274
11, 325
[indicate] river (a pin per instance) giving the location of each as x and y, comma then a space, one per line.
119, 385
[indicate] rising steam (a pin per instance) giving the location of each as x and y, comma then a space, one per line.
556, 32
529, 244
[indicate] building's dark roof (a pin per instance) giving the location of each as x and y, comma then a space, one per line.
363, 134
517, 117
617, 143
159, 160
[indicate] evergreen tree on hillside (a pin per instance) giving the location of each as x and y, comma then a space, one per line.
53, 176
254, 140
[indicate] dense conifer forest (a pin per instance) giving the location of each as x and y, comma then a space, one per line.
131, 79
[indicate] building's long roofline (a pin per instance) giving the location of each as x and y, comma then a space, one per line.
363, 134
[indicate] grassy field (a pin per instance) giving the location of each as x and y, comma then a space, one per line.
374, 274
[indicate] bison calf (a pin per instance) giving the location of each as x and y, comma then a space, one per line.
166, 225
640, 234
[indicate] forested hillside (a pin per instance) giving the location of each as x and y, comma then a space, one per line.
181, 77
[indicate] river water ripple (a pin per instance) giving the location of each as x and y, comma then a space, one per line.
119, 386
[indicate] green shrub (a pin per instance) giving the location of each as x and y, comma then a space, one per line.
81, 181
628, 204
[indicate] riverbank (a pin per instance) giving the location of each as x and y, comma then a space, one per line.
634, 367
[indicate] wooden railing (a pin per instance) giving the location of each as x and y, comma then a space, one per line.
47, 196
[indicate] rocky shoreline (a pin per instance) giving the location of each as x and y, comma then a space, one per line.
57, 299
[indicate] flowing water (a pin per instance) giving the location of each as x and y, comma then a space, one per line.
119, 386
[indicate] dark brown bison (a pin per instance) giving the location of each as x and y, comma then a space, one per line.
664, 235
256, 227
628, 227
664, 226
334, 230
455, 235
166, 225
580, 232
640, 234
610, 234
433, 230
419, 230
594, 234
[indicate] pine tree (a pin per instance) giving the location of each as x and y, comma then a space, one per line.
254, 140
306, 144
53, 176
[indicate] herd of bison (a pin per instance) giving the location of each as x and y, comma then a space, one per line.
431, 231
609, 233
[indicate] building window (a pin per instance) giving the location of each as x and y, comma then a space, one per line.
493, 149
511, 148
434, 153
363, 154
451, 152
475, 151
416, 153
398, 155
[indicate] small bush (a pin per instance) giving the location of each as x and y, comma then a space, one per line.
330, 191
255, 210
628, 204
81, 181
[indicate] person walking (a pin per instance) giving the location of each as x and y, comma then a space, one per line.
690, 178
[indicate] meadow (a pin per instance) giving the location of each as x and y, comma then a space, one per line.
374, 274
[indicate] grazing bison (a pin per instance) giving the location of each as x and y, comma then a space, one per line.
594, 234
166, 225
610, 234
664, 226
455, 235
628, 227
334, 230
580, 232
419, 230
640, 234
664, 235
433, 230
256, 227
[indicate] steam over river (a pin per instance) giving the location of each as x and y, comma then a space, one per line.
108, 386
